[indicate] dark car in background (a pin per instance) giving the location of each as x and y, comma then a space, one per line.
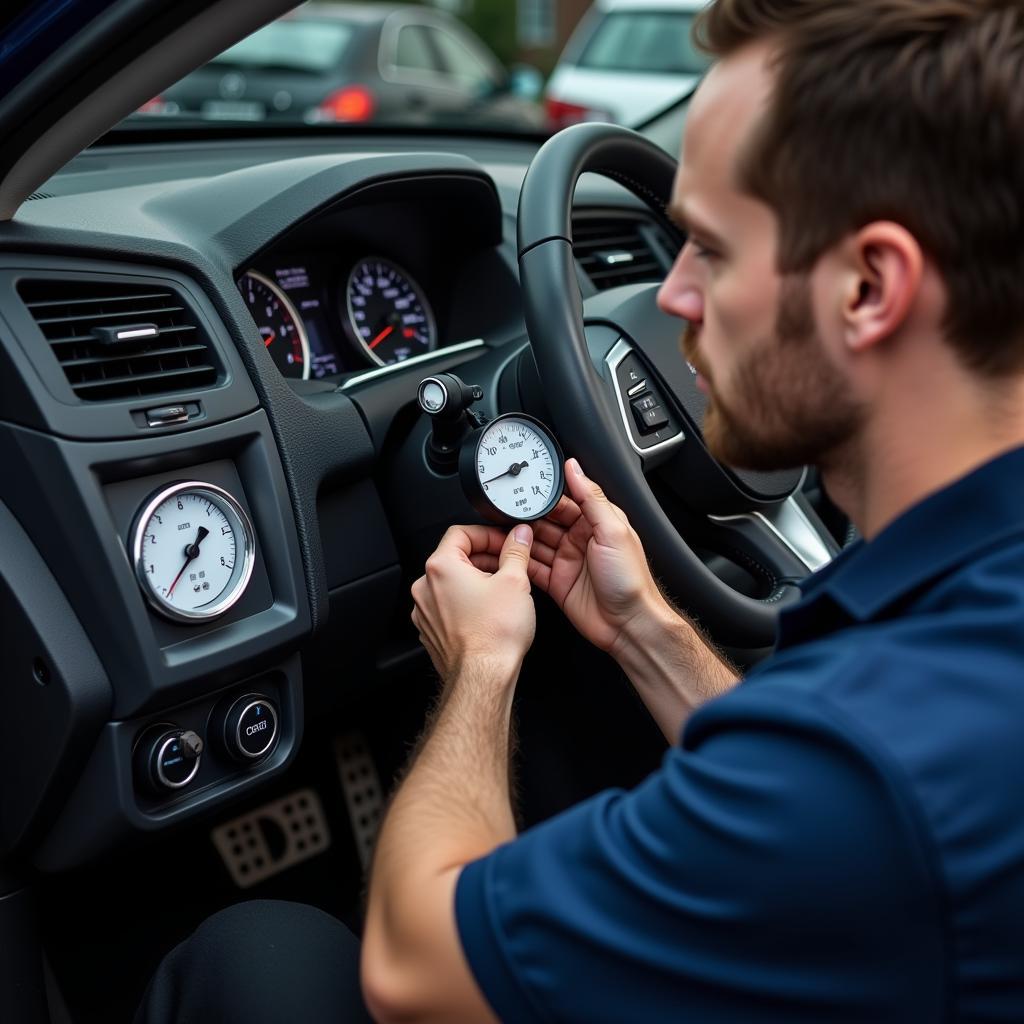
356, 63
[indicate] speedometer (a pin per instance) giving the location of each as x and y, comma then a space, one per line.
278, 322
388, 313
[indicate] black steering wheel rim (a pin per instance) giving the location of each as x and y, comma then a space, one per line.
584, 417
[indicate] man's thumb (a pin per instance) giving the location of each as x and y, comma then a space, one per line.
515, 552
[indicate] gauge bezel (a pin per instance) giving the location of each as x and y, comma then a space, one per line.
300, 324
239, 580
473, 487
353, 327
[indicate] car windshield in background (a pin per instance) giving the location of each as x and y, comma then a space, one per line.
316, 46
656, 42
370, 63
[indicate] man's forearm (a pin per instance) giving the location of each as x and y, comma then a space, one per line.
453, 806
672, 667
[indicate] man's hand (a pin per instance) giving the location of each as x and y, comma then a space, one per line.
464, 613
591, 562
589, 559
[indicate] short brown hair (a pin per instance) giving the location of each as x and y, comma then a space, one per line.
902, 110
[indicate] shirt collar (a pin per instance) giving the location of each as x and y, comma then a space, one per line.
948, 529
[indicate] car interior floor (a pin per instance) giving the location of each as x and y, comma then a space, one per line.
579, 729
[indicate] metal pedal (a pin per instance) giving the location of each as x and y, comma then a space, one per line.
258, 845
363, 792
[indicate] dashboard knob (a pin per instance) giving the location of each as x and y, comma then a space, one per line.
251, 727
170, 757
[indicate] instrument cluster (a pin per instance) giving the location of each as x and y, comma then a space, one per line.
317, 321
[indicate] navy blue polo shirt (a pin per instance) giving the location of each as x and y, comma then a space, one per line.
840, 838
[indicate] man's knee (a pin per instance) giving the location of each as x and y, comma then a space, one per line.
263, 960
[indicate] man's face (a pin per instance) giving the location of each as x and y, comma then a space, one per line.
777, 394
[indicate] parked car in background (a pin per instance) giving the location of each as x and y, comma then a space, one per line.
355, 63
627, 61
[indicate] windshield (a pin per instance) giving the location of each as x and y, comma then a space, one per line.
645, 41
467, 65
315, 46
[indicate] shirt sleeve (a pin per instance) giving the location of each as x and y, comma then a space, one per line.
768, 871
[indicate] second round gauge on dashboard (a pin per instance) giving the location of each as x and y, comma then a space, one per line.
193, 548
388, 314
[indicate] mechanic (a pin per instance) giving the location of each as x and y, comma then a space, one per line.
839, 837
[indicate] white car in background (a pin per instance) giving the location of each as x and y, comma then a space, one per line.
627, 61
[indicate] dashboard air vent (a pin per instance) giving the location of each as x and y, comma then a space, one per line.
119, 339
616, 249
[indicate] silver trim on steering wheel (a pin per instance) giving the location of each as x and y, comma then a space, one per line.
789, 524
620, 350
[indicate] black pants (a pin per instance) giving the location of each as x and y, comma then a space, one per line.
262, 962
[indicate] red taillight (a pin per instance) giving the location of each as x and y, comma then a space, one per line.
352, 103
562, 114
156, 105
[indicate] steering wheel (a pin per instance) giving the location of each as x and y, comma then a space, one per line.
594, 356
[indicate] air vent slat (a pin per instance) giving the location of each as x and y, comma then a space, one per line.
50, 303
106, 316
99, 361
139, 379
614, 249
80, 319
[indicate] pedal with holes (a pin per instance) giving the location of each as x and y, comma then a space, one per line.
266, 841
362, 789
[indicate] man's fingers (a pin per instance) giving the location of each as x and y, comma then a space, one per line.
472, 539
485, 563
597, 510
566, 512
515, 553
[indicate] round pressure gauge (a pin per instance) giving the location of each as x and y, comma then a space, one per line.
511, 469
193, 549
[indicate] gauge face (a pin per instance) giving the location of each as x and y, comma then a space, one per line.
388, 314
193, 549
278, 322
512, 470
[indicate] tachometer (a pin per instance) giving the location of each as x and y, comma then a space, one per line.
279, 324
388, 313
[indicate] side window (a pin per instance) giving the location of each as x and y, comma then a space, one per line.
470, 70
412, 50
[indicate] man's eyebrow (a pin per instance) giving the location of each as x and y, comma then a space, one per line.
688, 224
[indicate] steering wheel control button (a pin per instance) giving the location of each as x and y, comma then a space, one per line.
251, 727
650, 415
173, 759
511, 470
650, 426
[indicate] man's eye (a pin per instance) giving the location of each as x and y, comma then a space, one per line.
702, 252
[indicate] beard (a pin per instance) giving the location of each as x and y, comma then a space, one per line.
789, 406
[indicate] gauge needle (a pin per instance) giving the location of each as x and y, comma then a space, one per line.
268, 341
380, 337
514, 470
191, 553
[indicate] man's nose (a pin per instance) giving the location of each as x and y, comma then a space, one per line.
680, 295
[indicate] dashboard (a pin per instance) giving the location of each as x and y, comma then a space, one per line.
215, 491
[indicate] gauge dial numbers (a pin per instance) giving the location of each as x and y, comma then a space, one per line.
193, 549
388, 314
511, 470
279, 324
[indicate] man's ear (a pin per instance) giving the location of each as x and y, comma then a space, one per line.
885, 265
